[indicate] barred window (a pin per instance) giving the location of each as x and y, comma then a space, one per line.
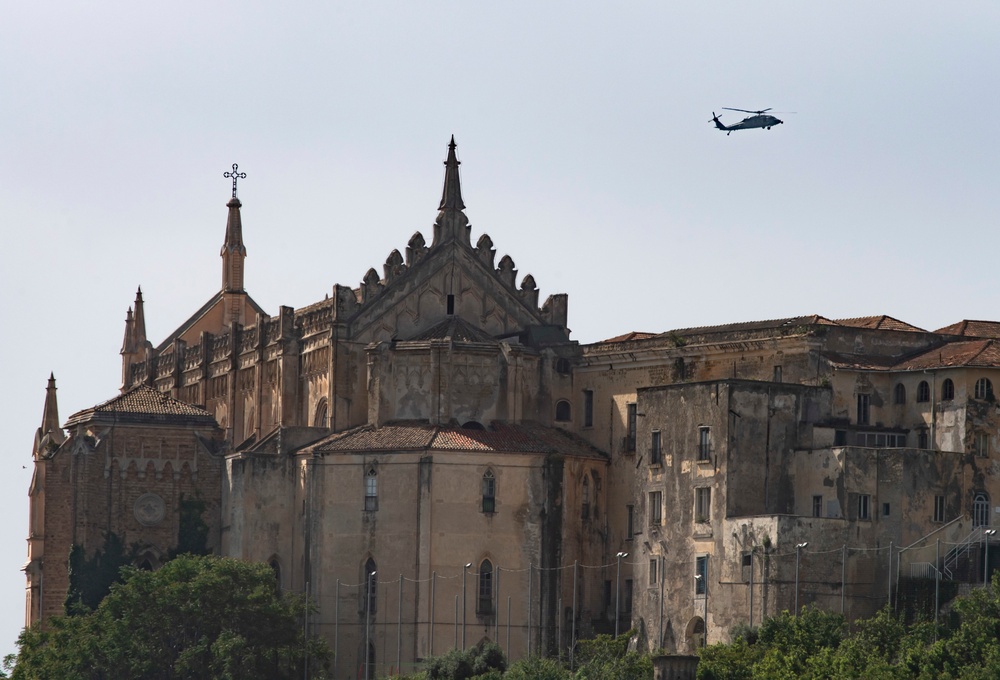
371, 490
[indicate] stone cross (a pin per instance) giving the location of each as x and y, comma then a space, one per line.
235, 175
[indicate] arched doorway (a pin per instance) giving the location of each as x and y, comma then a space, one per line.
981, 510
695, 635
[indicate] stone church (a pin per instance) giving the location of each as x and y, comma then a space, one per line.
434, 432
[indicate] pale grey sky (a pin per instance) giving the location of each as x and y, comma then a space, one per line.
587, 156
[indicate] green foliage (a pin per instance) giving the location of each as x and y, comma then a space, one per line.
457, 664
192, 532
198, 618
608, 657
90, 579
745, 631
537, 668
599, 659
884, 647
734, 661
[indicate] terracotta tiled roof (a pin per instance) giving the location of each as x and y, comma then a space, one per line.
634, 335
985, 353
792, 321
421, 436
456, 329
982, 353
143, 404
973, 329
859, 362
882, 323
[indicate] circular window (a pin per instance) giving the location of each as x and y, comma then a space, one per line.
150, 509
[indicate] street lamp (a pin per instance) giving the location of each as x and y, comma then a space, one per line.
798, 549
618, 588
368, 607
986, 553
465, 571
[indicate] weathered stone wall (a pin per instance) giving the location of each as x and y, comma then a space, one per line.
128, 480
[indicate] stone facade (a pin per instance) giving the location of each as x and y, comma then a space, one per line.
436, 426
126, 468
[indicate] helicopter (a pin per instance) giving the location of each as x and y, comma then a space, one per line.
759, 119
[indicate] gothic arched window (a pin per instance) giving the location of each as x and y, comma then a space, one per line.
321, 418
489, 492
485, 602
371, 490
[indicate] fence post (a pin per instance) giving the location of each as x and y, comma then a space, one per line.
843, 581
399, 624
899, 561
572, 640
336, 623
430, 652
888, 578
508, 627
937, 584
529, 609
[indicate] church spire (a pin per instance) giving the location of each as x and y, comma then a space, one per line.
451, 223
233, 251
50, 414
50, 434
128, 344
139, 327
451, 197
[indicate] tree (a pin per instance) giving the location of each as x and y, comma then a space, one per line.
196, 617
465, 664
90, 579
608, 657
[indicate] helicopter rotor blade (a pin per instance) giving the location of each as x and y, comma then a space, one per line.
746, 110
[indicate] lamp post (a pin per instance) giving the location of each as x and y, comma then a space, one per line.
465, 571
986, 554
368, 607
618, 589
798, 549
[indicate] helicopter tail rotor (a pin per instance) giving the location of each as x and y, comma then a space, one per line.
718, 123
